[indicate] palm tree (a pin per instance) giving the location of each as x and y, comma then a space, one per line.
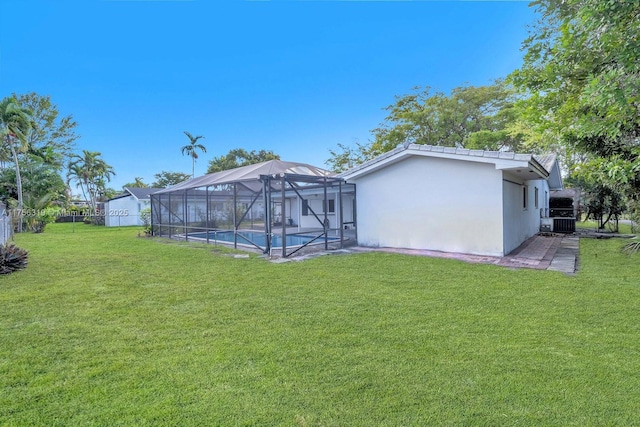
90, 172
191, 150
15, 124
75, 172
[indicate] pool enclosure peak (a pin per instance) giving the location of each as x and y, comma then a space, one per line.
290, 205
275, 168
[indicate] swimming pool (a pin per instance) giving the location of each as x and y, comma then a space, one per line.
259, 238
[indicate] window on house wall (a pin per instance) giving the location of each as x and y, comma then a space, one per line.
536, 197
332, 206
305, 207
525, 196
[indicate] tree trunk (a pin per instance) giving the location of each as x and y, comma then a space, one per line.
92, 198
84, 194
18, 185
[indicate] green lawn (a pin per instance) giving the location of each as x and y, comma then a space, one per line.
623, 227
105, 328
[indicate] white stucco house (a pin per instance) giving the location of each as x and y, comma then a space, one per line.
452, 199
124, 209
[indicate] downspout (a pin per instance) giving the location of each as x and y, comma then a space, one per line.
355, 211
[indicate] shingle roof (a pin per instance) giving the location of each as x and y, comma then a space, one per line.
138, 193
546, 161
142, 193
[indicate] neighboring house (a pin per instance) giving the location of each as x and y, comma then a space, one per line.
451, 199
124, 209
80, 204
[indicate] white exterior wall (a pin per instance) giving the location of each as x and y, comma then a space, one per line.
347, 209
522, 222
315, 202
124, 211
432, 203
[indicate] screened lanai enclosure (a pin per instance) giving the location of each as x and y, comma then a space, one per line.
275, 207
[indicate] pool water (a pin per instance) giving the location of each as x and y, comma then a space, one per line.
259, 238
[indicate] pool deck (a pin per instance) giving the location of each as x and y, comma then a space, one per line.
554, 252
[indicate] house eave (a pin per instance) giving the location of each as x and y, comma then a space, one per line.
501, 160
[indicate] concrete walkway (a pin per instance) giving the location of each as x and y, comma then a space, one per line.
555, 252
545, 252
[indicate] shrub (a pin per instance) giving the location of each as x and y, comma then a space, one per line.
12, 258
94, 220
41, 218
145, 217
632, 247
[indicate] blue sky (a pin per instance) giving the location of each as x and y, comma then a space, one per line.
295, 77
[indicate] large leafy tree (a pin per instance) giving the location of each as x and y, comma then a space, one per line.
192, 149
166, 179
15, 125
582, 74
345, 157
108, 193
601, 199
240, 157
477, 117
91, 173
39, 179
52, 137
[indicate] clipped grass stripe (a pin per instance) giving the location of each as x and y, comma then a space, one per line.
104, 329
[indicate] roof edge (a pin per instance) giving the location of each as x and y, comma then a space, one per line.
440, 151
